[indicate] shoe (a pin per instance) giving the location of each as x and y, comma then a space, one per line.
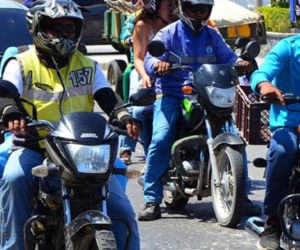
251, 209
150, 212
125, 156
269, 239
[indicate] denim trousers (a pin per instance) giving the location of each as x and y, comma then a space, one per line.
281, 158
144, 115
15, 202
167, 111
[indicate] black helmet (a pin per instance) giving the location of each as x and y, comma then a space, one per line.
55, 9
195, 25
34, 7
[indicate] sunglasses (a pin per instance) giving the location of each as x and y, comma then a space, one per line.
197, 8
58, 28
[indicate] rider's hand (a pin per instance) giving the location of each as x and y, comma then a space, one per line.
146, 82
248, 66
18, 127
162, 68
133, 128
270, 91
244, 67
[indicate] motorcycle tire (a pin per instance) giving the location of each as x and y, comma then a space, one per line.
174, 201
102, 240
228, 198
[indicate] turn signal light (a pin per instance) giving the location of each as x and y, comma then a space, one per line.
187, 90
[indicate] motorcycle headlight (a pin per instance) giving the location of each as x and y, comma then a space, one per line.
90, 159
222, 98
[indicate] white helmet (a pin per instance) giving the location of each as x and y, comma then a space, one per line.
195, 25
54, 9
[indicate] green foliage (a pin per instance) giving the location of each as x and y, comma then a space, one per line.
277, 19
280, 3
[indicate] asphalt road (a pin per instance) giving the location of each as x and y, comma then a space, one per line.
195, 227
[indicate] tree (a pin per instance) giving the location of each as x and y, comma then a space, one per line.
280, 3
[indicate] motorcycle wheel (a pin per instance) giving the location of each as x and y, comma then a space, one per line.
101, 240
104, 239
174, 200
229, 197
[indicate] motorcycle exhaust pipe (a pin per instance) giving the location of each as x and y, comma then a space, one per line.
255, 226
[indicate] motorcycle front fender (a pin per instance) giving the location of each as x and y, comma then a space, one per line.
90, 217
228, 139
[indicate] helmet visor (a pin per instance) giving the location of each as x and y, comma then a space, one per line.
61, 27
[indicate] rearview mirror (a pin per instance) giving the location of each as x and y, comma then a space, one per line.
156, 48
251, 51
8, 90
144, 97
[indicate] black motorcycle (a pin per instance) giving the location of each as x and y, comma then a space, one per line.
81, 151
207, 157
288, 210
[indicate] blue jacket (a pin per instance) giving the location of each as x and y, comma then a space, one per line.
194, 50
282, 67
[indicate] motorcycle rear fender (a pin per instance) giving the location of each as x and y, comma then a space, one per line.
90, 217
227, 138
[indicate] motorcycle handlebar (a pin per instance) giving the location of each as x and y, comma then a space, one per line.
175, 68
289, 98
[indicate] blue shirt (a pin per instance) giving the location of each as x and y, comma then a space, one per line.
194, 50
282, 67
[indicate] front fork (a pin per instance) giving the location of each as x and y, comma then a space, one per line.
67, 206
212, 155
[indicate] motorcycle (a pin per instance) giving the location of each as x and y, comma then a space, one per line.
207, 156
288, 210
81, 152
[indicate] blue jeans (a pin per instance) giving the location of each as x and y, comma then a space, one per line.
4, 149
145, 116
167, 111
15, 202
126, 142
166, 115
281, 158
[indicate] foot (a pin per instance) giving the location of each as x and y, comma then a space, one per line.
252, 209
150, 212
125, 156
269, 239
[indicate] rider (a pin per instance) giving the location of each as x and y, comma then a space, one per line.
279, 73
154, 15
38, 74
196, 43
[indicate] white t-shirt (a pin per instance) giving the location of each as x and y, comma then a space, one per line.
13, 74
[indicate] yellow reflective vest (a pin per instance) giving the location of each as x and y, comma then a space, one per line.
43, 88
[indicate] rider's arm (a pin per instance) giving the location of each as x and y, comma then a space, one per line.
106, 97
224, 53
150, 62
127, 30
272, 65
141, 34
8, 108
